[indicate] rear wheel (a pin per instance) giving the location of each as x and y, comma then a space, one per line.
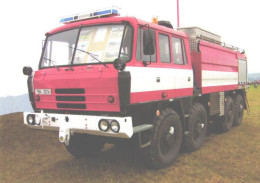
227, 120
238, 110
83, 145
166, 139
197, 128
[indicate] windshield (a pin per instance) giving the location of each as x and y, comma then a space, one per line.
96, 44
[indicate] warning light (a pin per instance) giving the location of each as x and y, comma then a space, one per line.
92, 14
158, 113
155, 20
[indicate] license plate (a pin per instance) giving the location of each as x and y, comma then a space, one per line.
43, 91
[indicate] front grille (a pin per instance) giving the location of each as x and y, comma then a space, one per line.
62, 96
71, 98
70, 91
71, 106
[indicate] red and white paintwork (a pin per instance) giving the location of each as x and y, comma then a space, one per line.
146, 87
213, 69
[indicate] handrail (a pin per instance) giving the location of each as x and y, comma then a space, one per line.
225, 45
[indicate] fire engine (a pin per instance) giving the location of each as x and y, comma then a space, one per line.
104, 77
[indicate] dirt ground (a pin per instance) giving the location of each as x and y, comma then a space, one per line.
28, 155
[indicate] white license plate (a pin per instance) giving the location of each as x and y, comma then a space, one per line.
43, 91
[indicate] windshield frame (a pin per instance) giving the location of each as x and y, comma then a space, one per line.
71, 64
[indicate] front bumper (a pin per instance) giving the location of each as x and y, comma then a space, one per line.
67, 124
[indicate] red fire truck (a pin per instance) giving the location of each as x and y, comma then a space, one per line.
103, 78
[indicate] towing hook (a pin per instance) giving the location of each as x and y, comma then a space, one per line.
61, 139
64, 135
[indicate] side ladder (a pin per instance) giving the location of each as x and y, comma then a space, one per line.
246, 101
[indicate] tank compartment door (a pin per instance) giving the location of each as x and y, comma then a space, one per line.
242, 71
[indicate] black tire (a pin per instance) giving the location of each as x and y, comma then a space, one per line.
197, 128
238, 110
226, 121
165, 140
83, 145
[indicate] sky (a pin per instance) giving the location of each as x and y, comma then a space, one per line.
24, 24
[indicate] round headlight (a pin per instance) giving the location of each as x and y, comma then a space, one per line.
31, 119
115, 127
103, 125
37, 120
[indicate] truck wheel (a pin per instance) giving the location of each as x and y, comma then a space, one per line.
238, 110
197, 128
227, 120
166, 139
83, 145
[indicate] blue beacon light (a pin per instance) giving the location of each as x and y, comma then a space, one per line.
89, 15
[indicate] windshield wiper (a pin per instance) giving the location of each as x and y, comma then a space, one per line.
90, 54
52, 61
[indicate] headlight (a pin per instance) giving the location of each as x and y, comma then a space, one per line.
37, 120
115, 127
103, 125
31, 119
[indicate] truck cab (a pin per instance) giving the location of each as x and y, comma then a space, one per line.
77, 73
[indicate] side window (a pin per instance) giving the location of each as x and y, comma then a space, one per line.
138, 46
139, 49
164, 46
178, 50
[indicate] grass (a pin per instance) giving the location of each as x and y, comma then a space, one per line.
28, 155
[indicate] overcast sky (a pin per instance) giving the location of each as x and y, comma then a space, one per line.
25, 22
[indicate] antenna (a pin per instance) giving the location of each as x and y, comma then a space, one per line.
178, 18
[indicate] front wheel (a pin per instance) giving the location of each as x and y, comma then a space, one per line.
83, 145
166, 139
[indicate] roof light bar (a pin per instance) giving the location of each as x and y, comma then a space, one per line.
113, 11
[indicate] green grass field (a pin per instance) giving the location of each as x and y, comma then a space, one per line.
28, 155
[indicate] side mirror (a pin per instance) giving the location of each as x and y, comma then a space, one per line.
27, 71
119, 64
148, 47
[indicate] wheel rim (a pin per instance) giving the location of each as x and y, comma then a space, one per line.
167, 139
240, 111
230, 113
198, 129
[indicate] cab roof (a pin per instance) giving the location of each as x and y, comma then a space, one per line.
115, 19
